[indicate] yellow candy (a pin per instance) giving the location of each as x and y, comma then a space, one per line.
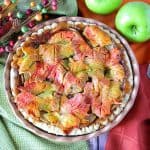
9, 14
32, 4
38, 17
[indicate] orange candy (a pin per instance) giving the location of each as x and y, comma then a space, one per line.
7, 2
38, 17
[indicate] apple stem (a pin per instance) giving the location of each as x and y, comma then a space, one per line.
134, 29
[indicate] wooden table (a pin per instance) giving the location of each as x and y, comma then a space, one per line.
141, 50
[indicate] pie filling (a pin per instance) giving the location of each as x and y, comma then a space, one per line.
71, 77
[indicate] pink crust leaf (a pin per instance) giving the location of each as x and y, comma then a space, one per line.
81, 48
96, 36
93, 99
56, 73
106, 108
41, 71
76, 105
24, 99
99, 104
89, 32
101, 54
62, 35
71, 83
68, 34
115, 57
89, 90
27, 86
96, 106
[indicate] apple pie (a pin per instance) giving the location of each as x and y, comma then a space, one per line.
74, 78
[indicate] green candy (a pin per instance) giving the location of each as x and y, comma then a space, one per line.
20, 15
13, 1
44, 10
24, 29
39, 7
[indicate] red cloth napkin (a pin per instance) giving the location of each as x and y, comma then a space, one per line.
133, 133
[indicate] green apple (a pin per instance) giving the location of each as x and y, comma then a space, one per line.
133, 21
103, 6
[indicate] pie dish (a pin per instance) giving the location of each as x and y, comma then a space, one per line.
70, 78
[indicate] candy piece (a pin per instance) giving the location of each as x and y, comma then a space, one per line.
39, 7
7, 2
20, 15
13, 1
11, 43
44, 10
44, 2
29, 11
24, 29
8, 49
31, 24
38, 17
32, 4
2, 50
